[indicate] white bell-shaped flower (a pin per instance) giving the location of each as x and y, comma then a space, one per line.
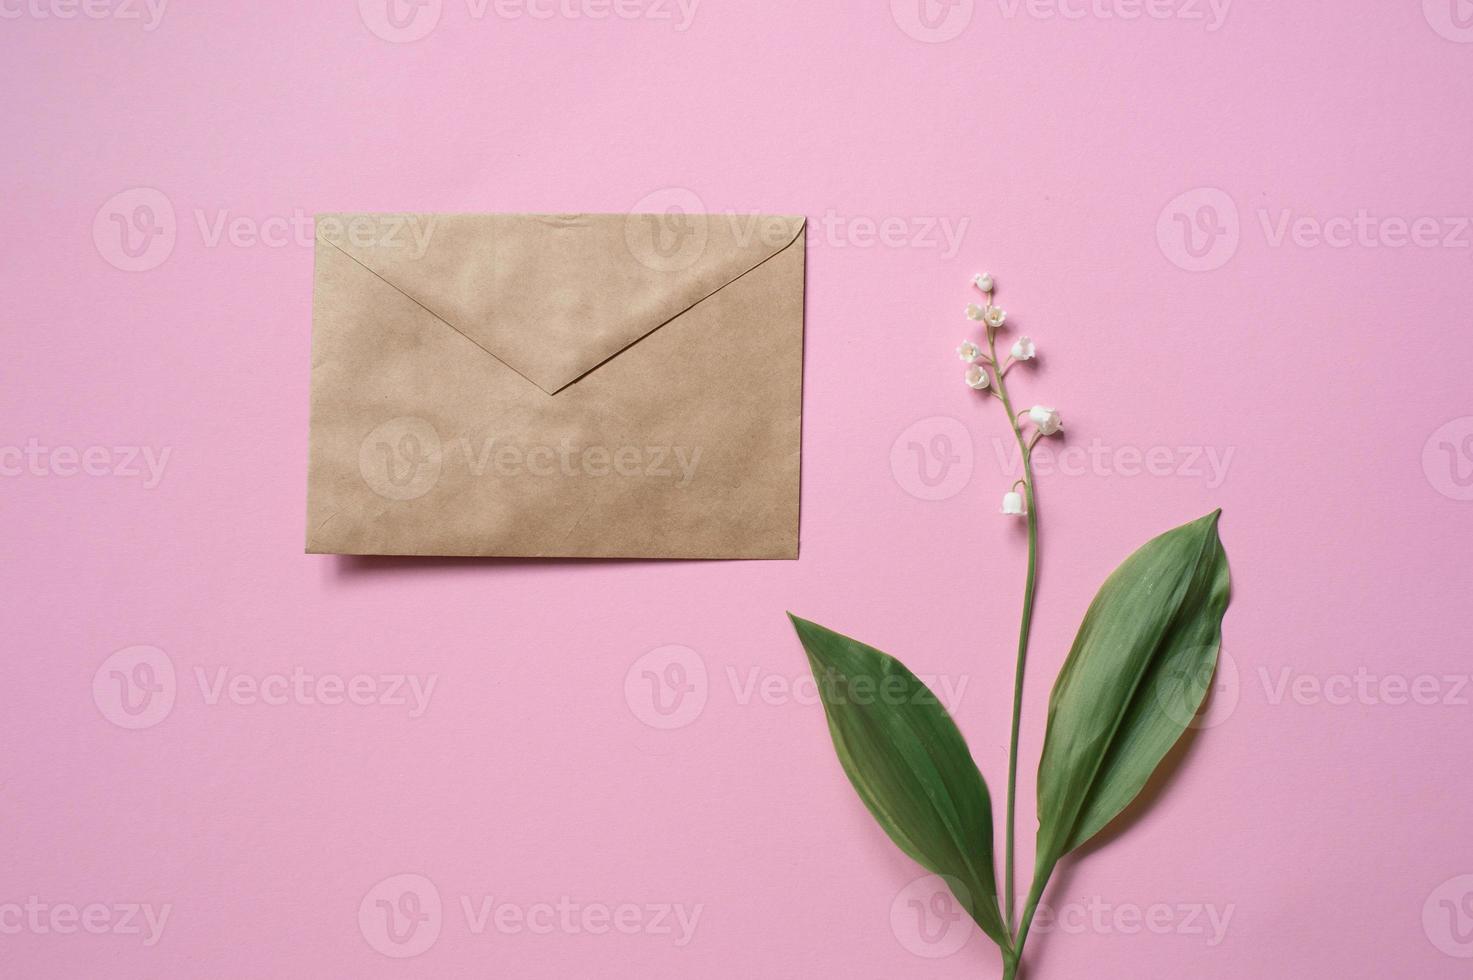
1012, 502
1047, 419
1024, 350
978, 379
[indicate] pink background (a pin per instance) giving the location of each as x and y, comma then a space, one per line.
1323, 829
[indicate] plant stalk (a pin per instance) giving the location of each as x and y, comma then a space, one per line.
1024, 628
1040, 881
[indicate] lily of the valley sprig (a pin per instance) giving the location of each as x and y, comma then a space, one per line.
1045, 421
985, 373
1137, 674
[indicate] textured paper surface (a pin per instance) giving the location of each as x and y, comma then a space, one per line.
624, 386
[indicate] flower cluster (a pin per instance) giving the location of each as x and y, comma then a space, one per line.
986, 373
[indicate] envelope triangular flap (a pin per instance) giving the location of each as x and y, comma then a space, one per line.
554, 296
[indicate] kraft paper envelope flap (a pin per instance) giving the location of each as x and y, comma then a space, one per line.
557, 386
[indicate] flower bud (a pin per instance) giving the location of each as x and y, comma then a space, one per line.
983, 281
1012, 502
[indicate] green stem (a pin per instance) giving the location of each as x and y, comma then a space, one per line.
1040, 881
1029, 588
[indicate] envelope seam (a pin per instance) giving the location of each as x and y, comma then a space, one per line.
797, 233
802, 225
355, 260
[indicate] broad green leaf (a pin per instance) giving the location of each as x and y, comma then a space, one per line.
910, 766
1137, 674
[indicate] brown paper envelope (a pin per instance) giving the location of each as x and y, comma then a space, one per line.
621, 386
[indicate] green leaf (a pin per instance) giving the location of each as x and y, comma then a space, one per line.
1137, 674
910, 766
